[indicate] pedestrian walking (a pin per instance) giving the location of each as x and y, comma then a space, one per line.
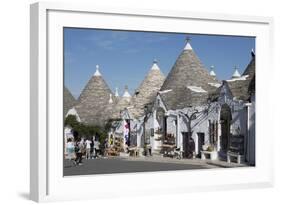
96, 147
70, 150
79, 152
92, 149
88, 148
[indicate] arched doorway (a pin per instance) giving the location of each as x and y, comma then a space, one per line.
225, 120
161, 131
161, 119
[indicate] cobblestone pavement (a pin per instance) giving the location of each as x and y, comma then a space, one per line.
140, 164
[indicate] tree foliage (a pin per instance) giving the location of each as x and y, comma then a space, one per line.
83, 130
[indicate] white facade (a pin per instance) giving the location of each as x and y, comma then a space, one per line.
242, 123
251, 148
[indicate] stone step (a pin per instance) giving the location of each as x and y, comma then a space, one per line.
157, 153
123, 154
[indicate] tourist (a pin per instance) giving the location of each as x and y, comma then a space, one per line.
106, 143
79, 152
83, 146
70, 150
92, 149
88, 148
96, 147
111, 140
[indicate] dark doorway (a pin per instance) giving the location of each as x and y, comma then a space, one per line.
225, 120
188, 145
133, 134
201, 142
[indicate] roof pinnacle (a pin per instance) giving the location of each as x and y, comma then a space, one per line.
126, 92
253, 54
110, 99
212, 72
97, 73
187, 45
155, 65
116, 92
236, 73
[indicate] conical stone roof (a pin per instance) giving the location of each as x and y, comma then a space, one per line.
93, 100
110, 111
68, 100
239, 87
187, 77
121, 103
147, 91
251, 68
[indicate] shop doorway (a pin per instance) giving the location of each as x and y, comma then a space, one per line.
225, 120
201, 142
188, 145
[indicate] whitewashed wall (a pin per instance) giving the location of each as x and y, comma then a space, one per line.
148, 126
239, 120
201, 125
252, 132
171, 125
239, 123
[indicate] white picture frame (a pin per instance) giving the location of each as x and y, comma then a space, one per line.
46, 177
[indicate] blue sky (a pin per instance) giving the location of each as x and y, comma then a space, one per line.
126, 57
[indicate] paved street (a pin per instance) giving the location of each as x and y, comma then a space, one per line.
127, 165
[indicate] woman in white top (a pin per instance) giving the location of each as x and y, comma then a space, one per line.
70, 150
88, 149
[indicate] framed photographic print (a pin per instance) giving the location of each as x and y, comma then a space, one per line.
147, 102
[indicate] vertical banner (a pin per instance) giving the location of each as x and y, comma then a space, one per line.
126, 132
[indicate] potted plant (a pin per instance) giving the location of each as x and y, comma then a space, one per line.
205, 147
210, 148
